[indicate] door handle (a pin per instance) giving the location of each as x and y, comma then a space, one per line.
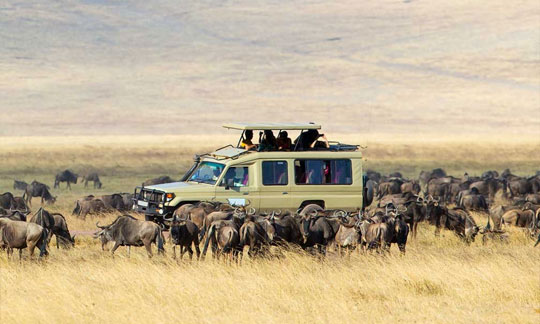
245, 193
285, 192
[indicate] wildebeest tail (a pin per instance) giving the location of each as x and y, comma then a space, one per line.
208, 237
243, 233
77, 210
159, 240
43, 243
203, 230
378, 236
228, 246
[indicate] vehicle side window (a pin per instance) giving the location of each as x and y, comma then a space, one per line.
238, 175
323, 172
275, 173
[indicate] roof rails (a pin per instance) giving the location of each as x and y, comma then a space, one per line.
272, 126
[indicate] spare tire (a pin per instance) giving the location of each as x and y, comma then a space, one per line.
369, 190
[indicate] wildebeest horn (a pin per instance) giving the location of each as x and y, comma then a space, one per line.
278, 213
252, 211
248, 203
102, 227
169, 219
313, 213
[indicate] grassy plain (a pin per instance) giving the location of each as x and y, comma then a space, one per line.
438, 280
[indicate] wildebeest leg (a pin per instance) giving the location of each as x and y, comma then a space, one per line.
49, 237
116, 245
197, 250
190, 251
174, 251
401, 248
182, 251
20, 254
148, 246
129, 250
57, 245
31, 247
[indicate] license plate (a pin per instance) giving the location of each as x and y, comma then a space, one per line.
142, 203
237, 202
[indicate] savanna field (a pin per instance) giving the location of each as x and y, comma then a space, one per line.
99, 85
439, 280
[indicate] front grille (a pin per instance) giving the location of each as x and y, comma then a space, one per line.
151, 196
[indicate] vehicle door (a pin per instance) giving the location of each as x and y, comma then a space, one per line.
237, 187
275, 185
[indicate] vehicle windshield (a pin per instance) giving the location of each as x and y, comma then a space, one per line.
207, 172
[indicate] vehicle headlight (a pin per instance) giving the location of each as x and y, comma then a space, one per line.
169, 196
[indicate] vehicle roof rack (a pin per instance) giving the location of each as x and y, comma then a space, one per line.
272, 126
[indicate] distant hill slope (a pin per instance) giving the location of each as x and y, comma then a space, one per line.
168, 67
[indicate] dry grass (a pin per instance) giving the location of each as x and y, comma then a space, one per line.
439, 280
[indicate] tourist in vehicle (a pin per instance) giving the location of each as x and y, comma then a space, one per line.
310, 140
283, 141
247, 141
268, 141
320, 143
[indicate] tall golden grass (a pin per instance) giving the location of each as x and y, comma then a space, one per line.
438, 280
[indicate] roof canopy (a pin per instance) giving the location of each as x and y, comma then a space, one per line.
272, 126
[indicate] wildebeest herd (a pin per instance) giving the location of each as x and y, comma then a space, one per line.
443, 201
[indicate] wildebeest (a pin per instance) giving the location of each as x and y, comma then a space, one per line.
224, 237
67, 176
128, 200
411, 186
88, 206
373, 175
389, 187
114, 201
286, 229
184, 233
7, 200
94, 177
533, 198
254, 235
13, 215
223, 233
20, 235
37, 189
472, 200
347, 237
525, 218
20, 185
45, 220
197, 212
20, 204
425, 176
60, 229
316, 229
158, 180
489, 187
457, 220
128, 231
382, 230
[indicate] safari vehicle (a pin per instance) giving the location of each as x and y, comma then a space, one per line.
266, 180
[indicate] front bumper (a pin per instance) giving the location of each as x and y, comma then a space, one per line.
151, 203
